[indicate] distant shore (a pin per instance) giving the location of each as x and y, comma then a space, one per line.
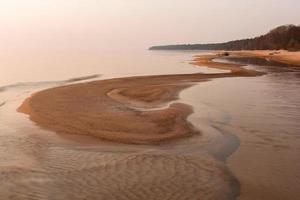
282, 56
282, 37
127, 110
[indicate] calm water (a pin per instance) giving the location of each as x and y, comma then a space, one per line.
37, 68
255, 121
264, 113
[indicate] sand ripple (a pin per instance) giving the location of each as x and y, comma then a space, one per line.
70, 173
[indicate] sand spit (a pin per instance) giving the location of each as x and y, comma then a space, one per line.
235, 69
108, 109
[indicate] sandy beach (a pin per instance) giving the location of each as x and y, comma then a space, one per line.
282, 56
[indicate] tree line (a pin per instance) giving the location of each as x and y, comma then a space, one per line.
283, 37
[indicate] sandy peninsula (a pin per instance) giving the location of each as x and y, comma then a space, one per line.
127, 110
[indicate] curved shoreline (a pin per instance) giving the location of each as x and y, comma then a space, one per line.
105, 108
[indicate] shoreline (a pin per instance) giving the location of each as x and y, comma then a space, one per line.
133, 110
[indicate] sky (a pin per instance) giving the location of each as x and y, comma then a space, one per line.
98, 25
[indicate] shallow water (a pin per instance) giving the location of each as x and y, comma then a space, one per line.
261, 113
264, 113
39, 68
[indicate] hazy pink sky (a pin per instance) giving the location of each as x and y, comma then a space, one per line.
130, 24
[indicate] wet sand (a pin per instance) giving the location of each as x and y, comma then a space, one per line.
115, 109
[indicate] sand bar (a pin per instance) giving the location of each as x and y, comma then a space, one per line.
109, 109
